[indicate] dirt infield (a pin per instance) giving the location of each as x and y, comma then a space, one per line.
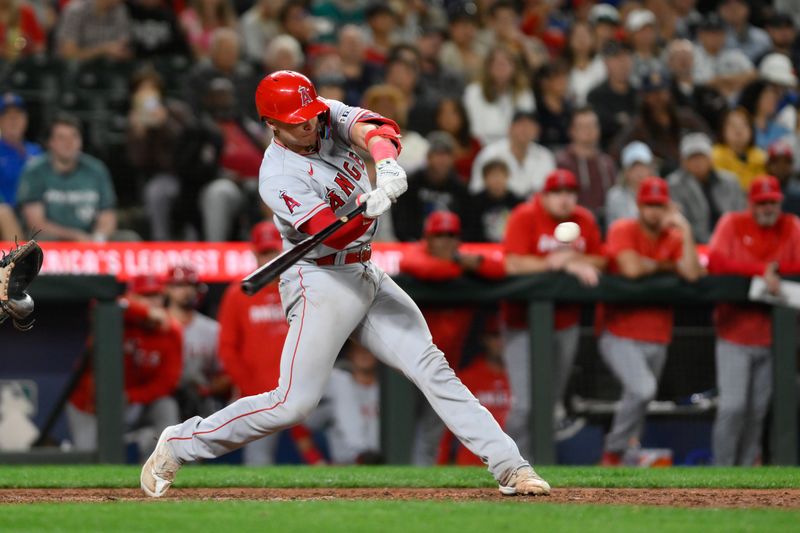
728, 498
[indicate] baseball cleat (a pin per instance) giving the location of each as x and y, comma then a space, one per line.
159, 470
524, 480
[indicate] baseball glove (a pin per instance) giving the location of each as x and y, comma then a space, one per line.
18, 268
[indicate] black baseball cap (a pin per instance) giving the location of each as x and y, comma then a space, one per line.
711, 22
615, 48
779, 20
525, 115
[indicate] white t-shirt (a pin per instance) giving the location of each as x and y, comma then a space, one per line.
489, 121
526, 177
581, 81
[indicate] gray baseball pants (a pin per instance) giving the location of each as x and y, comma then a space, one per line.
744, 381
517, 356
325, 306
637, 365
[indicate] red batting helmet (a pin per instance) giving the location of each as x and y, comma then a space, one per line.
183, 274
145, 284
288, 96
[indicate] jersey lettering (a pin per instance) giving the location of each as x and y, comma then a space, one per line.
548, 243
345, 184
334, 200
358, 160
354, 171
291, 203
305, 98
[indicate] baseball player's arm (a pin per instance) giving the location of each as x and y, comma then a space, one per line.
428, 268
688, 265
720, 260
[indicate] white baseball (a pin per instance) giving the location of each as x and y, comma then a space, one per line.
567, 232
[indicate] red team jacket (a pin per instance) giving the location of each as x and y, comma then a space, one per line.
530, 231
448, 324
251, 335
491, 388
153, 360
740, 246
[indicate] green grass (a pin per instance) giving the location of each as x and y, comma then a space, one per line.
329, 477
384, 516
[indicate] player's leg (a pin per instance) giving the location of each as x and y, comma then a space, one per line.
627, 361
323, 306
394, 330
759, 395
82, 428
733, 377
517, 359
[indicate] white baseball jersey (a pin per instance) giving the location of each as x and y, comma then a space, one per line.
296, 187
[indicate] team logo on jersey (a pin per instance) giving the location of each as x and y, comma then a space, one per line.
334, 199
305, 98
291, 203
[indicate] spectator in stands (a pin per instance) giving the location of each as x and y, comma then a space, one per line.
783, 36
444, 81
437, 258
94, 29
487, 379
501, 90
435, 187
761, 99
637, 164
552, 104
403, 71
382, 21
155, 128
660, 123
778, 70
222, 62
391, 102
283, 53
15, 151
20, 32
251, 335
259, 25
704, 100
761, 241
587, 69
688, 18
296, 21
340, 12
604, 20
463, 52
635, 337
231, 201
726, 70
331, 87
780, 163
349, 411
451, 117
202, 387
200, 21
528, 161
736, 151
155, 30
9, 226
504, 30
702, 193
67, 194
740, 34
640, 25
492, 206
360, 74
614, 100
530, 248
151, 351
595, 170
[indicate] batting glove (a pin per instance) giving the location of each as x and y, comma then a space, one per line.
377, 203
391, 178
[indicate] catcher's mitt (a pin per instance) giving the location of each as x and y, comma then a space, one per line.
18, 268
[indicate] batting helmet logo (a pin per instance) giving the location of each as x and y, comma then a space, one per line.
305, 98
288, 97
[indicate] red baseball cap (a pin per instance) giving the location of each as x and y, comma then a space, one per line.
146, 284
765, 189
265, 237
559, 179
442, 222
653, 190
183, 274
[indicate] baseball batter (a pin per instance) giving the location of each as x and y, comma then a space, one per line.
309, 175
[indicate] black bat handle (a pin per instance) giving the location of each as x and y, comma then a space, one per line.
262, 276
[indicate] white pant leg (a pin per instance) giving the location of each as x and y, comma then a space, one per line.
516, 355
566, 349
324, 305
261, 452
83, 428
759, 397
733, 378
394, 330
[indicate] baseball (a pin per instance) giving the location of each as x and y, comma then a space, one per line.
567, 232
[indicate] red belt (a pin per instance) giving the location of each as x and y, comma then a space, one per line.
360, 256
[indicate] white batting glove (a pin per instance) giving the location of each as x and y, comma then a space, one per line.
377, 203
391, 178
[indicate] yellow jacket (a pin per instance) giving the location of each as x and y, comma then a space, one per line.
724, 158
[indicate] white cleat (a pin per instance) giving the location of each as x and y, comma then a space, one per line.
524, 480
159, 470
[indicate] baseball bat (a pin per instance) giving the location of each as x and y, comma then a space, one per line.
265, 274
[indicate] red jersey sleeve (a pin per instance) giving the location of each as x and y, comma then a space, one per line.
719, 257
230, 337
344, 235
420, 264
492, 268
169, 372
518, 231
791, 264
